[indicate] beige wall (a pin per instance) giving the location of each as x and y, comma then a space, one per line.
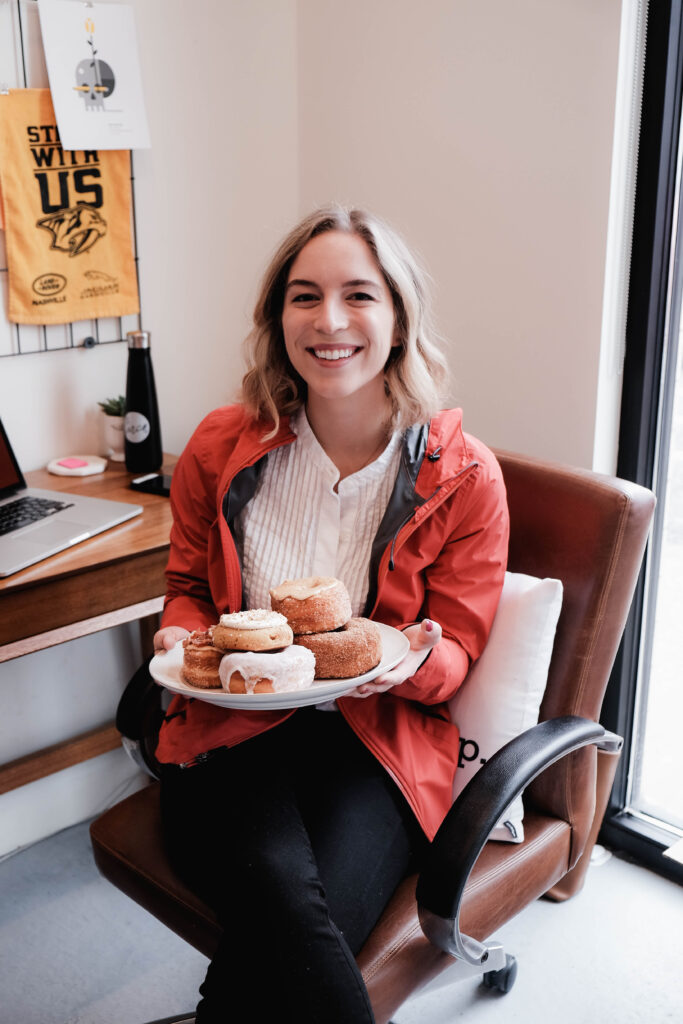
484, 131
217, 189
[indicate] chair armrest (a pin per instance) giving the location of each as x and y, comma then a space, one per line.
468, 824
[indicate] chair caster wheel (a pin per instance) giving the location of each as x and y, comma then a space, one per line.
504, 979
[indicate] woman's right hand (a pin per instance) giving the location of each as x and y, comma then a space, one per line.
168, 637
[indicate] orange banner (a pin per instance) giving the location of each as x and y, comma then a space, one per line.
67, 219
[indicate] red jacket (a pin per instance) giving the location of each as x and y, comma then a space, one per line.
440, 552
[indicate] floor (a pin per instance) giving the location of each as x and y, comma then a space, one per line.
74, 950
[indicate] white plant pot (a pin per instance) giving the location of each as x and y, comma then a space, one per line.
114, 437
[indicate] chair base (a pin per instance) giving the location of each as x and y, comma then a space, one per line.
503, 980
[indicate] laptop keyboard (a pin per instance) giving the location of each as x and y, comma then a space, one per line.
24, 511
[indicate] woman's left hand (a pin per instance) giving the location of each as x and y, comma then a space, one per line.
423, 637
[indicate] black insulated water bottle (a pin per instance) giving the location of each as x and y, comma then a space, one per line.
141, 425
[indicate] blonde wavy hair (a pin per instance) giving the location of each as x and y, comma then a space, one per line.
416, 370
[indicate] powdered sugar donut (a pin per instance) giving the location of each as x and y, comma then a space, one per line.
256, 630
313, 604
267, 671
347, 652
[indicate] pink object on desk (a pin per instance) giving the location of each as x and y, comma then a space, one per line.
77, 465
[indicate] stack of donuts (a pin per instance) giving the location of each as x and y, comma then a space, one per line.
247, 652
309, 633
318, 610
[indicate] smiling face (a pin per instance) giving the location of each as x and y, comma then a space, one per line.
338, 318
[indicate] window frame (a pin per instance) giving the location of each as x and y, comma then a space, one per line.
643, 403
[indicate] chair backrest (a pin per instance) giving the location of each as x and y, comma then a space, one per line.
590, 531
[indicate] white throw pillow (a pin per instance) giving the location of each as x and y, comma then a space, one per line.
502, 693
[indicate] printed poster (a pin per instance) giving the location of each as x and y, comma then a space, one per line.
92, 61
67, 219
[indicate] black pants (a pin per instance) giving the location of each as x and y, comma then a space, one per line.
297, 838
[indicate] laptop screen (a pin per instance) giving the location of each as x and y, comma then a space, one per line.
10, 474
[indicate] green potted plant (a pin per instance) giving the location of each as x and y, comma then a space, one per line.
114, 410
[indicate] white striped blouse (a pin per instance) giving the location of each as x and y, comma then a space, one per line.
297, 525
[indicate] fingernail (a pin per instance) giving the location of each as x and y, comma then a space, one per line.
429, 625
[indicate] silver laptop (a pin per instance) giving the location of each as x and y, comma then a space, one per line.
35, 523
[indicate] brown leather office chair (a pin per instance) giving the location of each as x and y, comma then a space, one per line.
589, 531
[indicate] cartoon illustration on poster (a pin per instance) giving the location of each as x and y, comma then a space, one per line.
95, 78
94, 70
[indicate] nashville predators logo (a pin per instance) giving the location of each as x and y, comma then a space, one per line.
74, 230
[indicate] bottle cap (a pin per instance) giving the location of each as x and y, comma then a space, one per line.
138, 339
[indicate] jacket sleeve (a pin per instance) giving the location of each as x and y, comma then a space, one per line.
188, 600
463, 586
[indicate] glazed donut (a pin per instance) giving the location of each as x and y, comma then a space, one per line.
347, 652
267, 671
257, 630
314, 604
201, 660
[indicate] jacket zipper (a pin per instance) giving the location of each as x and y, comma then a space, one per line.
465, 471
394, 538
202, 758
411, 515
196, 760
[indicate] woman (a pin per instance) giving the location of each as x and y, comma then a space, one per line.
298, 825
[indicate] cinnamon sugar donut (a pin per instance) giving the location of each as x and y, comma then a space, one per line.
201, 660
267, 671
347, 652
257, 630
313, 604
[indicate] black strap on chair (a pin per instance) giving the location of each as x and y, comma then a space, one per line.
139, 717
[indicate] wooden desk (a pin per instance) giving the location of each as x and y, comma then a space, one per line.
115, 577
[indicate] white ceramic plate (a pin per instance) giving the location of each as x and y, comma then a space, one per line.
165, 668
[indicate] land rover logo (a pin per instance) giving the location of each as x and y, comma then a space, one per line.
49, 284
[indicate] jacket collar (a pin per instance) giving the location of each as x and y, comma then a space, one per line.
444, 454
442, 442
